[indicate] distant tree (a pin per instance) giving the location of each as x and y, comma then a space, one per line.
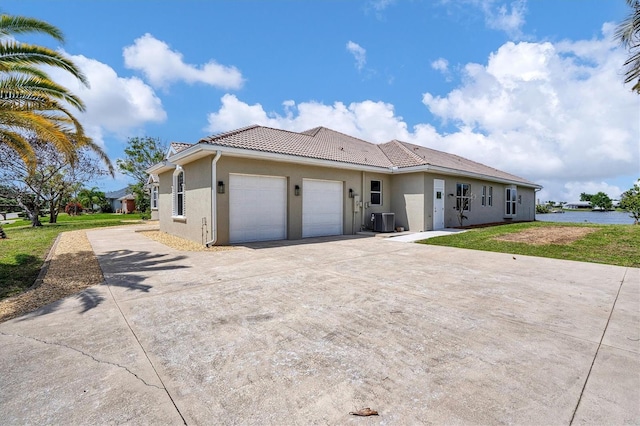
585, 197
628, 34
630, 202
92, 198
53, 179
140, 154
601, 201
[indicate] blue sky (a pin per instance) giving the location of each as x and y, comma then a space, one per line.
530, 87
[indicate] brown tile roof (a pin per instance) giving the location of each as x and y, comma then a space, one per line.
320, 143
326, 144
416, 155
180, 146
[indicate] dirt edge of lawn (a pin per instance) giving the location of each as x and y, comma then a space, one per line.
72, 266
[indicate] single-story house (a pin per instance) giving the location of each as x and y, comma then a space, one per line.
575, 205
121, 201
258, 183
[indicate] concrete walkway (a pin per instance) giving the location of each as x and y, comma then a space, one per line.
303, 332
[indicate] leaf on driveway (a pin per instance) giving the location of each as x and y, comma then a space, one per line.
364, 412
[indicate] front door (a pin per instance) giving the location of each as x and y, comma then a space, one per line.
438, 204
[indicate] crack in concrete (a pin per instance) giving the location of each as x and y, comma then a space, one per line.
595, 356
85, 354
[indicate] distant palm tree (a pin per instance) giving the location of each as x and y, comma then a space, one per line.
628, 33
31, 103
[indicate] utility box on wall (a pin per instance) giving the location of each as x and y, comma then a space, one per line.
384, 222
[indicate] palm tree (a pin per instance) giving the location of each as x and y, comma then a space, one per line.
31, 103
628, 33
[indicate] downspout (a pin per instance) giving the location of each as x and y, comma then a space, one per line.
214, 206
362, 227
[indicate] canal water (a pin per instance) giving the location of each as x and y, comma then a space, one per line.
579, 216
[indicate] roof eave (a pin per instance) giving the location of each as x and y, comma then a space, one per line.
457, 172
160, 167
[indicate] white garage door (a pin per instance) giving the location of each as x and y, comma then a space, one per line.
257, 208
321, 208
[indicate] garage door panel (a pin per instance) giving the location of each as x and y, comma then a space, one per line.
257, 208
322, 208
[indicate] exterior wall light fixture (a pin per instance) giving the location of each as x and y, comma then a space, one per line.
350, 193
296, 190
220, 187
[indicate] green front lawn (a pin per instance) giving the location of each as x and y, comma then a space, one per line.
23, 252
610, 244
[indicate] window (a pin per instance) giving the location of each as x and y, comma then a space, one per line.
484, 195
463, 196
490, 196
376, 193
154, 197
178, 193
510, 199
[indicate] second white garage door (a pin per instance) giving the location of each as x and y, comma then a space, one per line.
257, 208
321, 208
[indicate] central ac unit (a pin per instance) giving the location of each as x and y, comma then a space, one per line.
384, 222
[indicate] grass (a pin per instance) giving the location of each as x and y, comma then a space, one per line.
609, 244
23, 253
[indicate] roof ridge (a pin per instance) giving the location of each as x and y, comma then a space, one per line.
208, 139
344, 134
408, 151
312, 132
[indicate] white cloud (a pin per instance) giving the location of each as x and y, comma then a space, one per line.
359, 54
113, 104
503, 17
556, 114
441, 65
571, 190
380, 5
163, 66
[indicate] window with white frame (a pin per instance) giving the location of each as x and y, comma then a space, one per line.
484, 195
376, 193
154, 197
490, 196
178, 193
510, 200
463, 197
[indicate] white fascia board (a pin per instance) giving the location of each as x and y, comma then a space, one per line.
160, 167
203, 150
455, 172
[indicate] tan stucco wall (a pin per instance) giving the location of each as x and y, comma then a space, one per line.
408, 196
197, 182
295, 174
408, 201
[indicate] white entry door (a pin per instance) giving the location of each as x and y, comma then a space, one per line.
257, 208
321, 208
438, 204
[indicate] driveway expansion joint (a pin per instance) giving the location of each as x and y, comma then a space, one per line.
88, 355
604, 332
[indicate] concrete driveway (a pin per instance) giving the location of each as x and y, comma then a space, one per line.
305, 332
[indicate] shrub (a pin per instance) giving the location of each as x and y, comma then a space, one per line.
73, 208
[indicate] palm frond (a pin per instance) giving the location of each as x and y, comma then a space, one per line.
20, 145
31, 88
13, 54
10, 25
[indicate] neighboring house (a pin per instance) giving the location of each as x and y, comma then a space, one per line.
121, 201
575, 205
259, 184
